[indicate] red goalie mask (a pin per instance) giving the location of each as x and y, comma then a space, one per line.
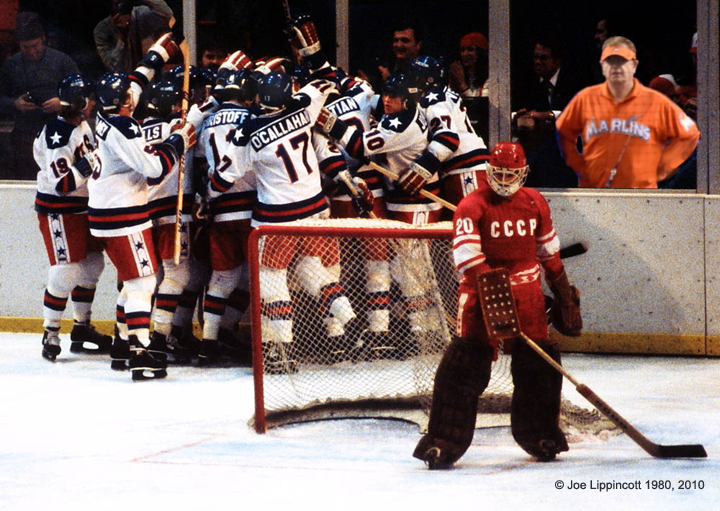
507, 169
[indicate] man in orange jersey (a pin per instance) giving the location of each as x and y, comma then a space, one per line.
632, 136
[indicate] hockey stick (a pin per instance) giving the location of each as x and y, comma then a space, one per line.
345, 177
185, 49
573, 250
653, 449
501, 322
424, 193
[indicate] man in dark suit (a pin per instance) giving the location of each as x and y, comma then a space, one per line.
549, 90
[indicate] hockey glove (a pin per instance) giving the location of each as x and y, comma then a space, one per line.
87, 164
329, 124
412, 179
183, 138
362, 196
160, 53
303, 36
565, 314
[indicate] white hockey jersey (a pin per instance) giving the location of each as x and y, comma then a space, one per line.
119, 190
445, 112
237, 200
60, 187
162, 197
278, 148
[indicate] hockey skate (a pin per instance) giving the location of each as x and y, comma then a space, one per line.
144, 366
209, 353
51, 345
279, 359
169, 349
119, 354
376, 346
85, 339
233, 347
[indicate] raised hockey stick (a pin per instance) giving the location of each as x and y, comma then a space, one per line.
185, 49
502, 323
424, 193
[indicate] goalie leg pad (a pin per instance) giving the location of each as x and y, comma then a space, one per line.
462, 376
535, 408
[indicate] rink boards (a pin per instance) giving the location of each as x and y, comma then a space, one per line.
648, 282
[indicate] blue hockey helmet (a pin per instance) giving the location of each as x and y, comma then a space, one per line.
241, 86
74, 91
428, 71
402, 85
111, 90
275, 90
163, 95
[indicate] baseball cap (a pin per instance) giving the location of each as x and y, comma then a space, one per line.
693, 44
617, 50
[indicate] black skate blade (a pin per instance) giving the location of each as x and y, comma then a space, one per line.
140, 374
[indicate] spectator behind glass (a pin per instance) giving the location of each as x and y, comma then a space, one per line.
550, 88
469, 74
407, 41
632, 136
212, 53
28, 91
125, 36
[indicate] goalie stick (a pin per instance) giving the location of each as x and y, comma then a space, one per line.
185, 49
502, 323
573, 250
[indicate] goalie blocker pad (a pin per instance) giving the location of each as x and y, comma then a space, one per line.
462, 376
497, 306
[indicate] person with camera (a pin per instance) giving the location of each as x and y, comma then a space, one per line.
126, 35
28, 92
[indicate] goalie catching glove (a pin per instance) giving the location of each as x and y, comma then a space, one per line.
565, 313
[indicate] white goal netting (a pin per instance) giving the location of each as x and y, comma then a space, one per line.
350, 319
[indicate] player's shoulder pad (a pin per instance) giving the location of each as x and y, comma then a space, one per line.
129, 127
398, 122
432, 97
241, 134
533, 195
57, 133
299, 100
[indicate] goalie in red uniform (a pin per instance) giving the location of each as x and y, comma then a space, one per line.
503, 225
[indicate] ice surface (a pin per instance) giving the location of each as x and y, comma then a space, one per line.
75, 435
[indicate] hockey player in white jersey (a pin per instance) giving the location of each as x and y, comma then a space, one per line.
278, 147
460, 153
231, 213
401, 139
163, 107
119, 213
76, 259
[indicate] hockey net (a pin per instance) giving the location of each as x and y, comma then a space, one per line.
411, 272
